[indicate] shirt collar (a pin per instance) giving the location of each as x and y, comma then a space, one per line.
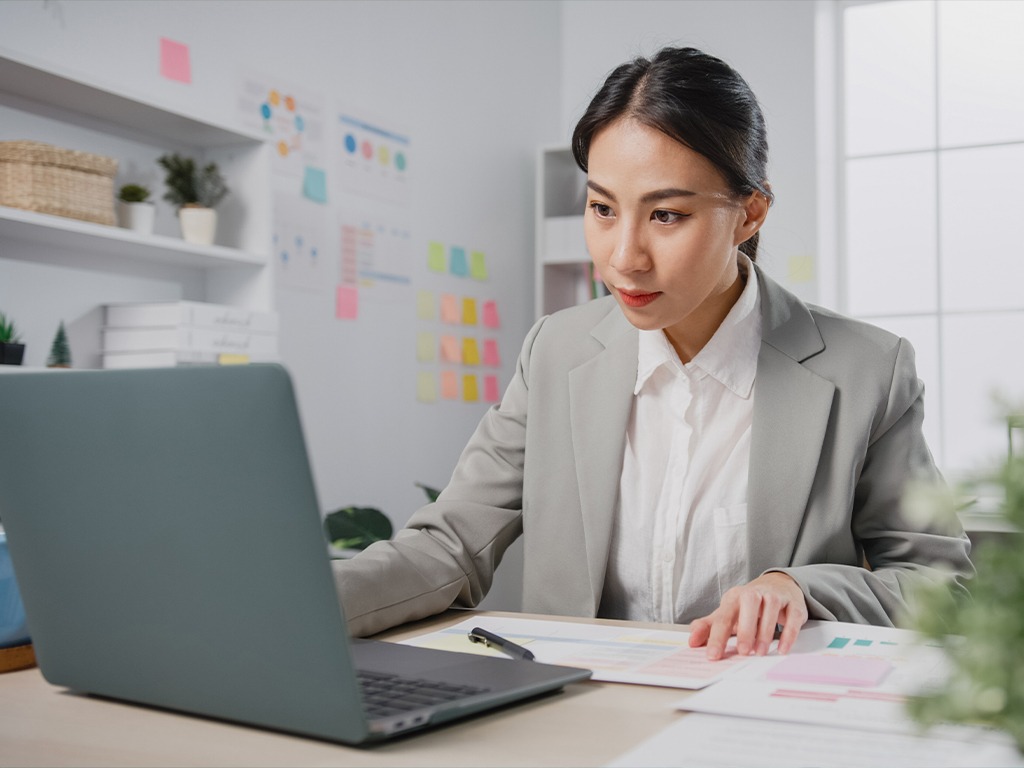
730, 356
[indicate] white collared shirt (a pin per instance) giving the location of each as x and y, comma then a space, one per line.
679, 539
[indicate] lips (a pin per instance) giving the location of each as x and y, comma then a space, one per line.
637, 299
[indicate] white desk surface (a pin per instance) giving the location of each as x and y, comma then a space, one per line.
587, 724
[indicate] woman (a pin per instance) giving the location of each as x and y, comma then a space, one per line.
700, 447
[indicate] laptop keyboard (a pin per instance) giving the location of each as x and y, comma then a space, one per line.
385, 694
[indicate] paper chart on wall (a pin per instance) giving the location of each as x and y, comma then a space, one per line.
837, 674
299, 253
376, 248
374, 160
615, 654
291, 117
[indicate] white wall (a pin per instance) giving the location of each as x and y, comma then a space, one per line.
771, 43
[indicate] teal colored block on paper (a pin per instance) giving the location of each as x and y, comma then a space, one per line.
459, 264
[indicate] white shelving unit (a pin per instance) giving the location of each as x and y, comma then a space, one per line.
44, 103
562, 265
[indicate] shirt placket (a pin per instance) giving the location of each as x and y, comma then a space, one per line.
671, 503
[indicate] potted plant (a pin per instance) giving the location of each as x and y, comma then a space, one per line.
195, 191
137, 213
12, 351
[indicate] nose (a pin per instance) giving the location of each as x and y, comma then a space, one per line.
630, 251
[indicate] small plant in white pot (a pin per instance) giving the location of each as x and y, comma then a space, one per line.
137, 213
195, 191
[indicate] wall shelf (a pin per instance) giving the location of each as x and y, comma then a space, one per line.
62, 233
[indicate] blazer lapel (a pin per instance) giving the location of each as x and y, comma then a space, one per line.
791, 413
600, 400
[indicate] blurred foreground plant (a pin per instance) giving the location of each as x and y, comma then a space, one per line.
982, 635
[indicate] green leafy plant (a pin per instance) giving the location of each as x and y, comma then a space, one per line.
60, 350
359, 527
981, 635
133, 193
189, 184
9, 333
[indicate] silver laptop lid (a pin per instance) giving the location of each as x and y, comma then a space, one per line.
130, 499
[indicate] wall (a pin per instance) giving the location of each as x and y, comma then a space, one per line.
771, 44
469, 83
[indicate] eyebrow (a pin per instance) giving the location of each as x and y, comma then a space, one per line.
648, 197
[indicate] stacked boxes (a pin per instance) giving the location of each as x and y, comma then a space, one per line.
173, 333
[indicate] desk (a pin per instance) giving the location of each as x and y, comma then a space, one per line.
586, 724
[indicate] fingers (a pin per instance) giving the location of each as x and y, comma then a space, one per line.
752, 613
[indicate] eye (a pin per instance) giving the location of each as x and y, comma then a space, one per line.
601, 210
668, 217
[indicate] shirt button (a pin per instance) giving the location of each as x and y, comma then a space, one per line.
668, 556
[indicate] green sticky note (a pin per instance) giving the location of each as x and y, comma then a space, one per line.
436, 261
478, 265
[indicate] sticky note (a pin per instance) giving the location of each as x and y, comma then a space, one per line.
426, 387
491, 314
469, 390
450, 309
346, 304
470, 352
459, 266
491, 356
451, 352
174, 61
314, 185
469, 311
478, 265
831, 670
426, 347
229, 358
425, 308
491, 394
449, 385
435, 257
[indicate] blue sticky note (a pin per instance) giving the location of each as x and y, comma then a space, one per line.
314, 185
459, 265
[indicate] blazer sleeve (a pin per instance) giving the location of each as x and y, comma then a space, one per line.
448, 552
900, 551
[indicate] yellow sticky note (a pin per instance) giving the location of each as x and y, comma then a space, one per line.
469, 311
450, 350
426, 347
449, 385
230, 358
425, 308
436, 261
801, 268
478, 265
449, 309
469, 390
426, 387
470, 352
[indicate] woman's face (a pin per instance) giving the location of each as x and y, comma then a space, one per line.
664, 229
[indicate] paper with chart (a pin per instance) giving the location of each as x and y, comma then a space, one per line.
837, 674
615, 654
698, 739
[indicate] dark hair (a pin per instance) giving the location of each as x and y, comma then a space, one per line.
698, 100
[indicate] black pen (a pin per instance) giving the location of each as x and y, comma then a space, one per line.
492, 640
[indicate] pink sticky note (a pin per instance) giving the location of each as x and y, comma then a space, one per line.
491, 394
491, 314
450, 310
449, 385
346, 305
174, 61
491, 356
830, 670
451, 351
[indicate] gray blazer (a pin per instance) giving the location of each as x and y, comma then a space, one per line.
836, 435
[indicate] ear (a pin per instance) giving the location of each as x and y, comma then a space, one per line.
755, 211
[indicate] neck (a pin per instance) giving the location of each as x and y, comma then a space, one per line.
691, 336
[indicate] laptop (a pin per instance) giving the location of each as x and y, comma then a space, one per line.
167, 541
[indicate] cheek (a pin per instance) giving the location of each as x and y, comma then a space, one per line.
595, 239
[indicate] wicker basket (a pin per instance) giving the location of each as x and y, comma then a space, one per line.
47, 179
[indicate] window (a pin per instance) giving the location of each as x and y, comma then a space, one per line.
932, 163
